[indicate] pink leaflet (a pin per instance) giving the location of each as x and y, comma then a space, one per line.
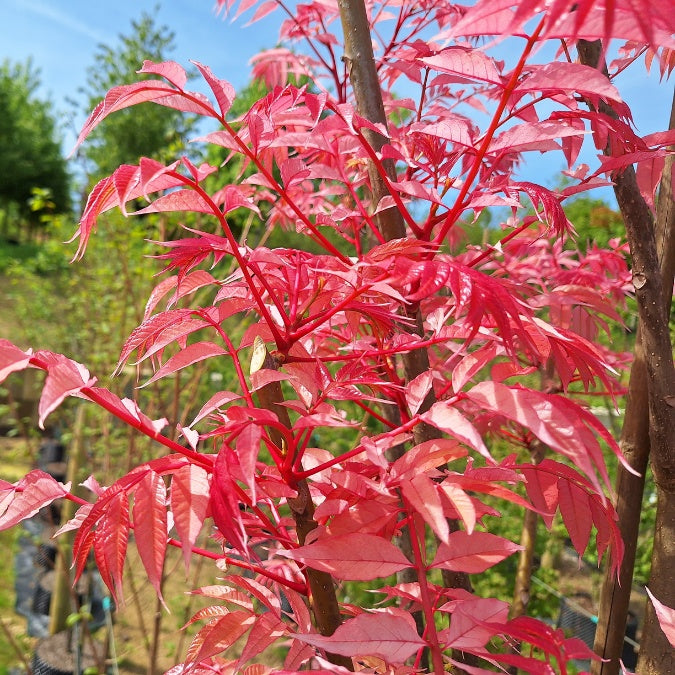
263, 10
125, 408
216, 401
12, 359
224, 503
467, 627
473, 553
553, 213
194, 353
218, 635
608, 534
110, 541
158, 292
392, 638
666, 617
293, 171
426, 456
128, 95
353, 556
189, 283
298, 654
232, 197
64, 378
472, 363
549, 418
649, 177
25, 498
126, 183
266, 596
207, 613
645, 21
455, 129
180, 200
225, 594
150, 526
462, 503
417, 390
169, 70
248, 447
534, 136
423, 495
365, 517
222, 90
266, 630
468, 63
542, 489
75, 522
566, 77
576, 513
158, 331
446, 417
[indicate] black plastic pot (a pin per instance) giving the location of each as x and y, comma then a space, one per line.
51, 451
45, 556
42, 597
54, 656
51, 515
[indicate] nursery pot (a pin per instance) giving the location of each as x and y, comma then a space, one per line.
54, 655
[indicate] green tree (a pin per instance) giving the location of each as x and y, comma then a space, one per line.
595, 221
152, 131
30, 147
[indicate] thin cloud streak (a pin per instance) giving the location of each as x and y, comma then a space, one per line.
62, 19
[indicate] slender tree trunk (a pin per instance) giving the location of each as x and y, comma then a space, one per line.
657, 656
323, 599
528, 540
652, 383
61, 604
365, 82
656, 653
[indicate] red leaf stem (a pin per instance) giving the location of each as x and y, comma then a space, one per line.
205, 461
454, 213
242, 564
415, 537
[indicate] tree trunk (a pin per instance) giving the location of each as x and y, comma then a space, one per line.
528, 540
323, 599
61, 604
657, 656
656, 385
360, 62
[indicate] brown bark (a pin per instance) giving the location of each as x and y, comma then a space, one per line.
62, 594
323, 599
656, 653
657, 656
368, 94
528, 539
365, 82
649, 425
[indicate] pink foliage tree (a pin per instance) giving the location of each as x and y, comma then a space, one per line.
435, 343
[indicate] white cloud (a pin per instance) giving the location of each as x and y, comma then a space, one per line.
61, 18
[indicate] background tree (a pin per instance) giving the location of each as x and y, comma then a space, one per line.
155, 131
30, 147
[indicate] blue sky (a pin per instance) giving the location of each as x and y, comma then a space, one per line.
61, 37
